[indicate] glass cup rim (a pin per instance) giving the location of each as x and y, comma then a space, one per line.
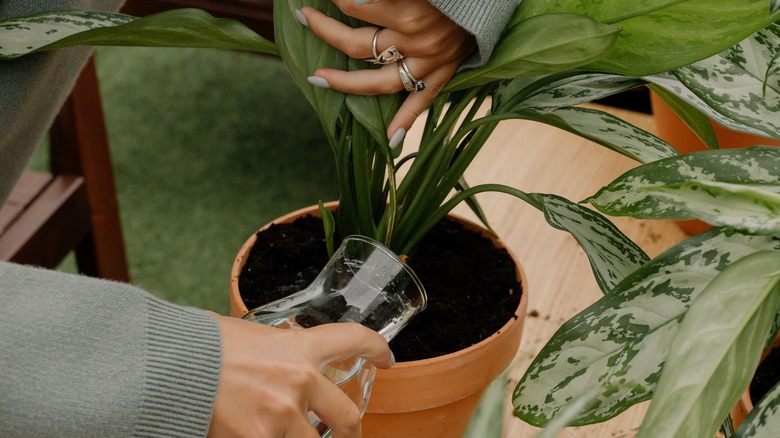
390, 253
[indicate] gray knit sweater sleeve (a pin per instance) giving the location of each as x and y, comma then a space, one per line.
484, 19
89, 358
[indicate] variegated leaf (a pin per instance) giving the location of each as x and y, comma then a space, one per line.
716, 349
176, 28
698, 122
619, 344
550, 92
612, 255
628, 194
658, 35
774, 6
764, 420
290, 37
736, 87
607, 130
569, 413
744, 207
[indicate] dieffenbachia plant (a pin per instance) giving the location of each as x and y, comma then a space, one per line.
708, 59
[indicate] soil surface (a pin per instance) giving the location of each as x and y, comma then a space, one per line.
472, 287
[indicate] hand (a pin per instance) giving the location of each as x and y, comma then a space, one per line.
270, 379
434, 47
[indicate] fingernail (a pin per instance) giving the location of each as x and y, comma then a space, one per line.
397, 138
318, 81
301, 18
392, 359
362, 2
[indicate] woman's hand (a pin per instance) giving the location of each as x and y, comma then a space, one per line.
270, 379
432, 44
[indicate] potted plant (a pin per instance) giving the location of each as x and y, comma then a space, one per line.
553, 57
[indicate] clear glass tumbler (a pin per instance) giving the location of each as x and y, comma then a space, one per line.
364, 282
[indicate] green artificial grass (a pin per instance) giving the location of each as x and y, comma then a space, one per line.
207, 146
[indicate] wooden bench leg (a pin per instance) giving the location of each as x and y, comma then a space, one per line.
79, 146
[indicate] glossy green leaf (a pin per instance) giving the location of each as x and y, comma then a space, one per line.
176, 28
607, 130
736, 87
716, 349
612, 255
619, 344
744, 207
538, 46
290, 37
629, 194
698, 122
659, 35
764, 420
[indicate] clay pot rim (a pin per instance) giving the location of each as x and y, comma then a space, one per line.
516, 318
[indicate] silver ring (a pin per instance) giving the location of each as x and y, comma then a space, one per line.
410, 83
388, 56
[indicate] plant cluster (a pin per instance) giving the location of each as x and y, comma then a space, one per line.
685, 329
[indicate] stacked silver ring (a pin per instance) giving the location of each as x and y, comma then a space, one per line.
410, 82
392, 55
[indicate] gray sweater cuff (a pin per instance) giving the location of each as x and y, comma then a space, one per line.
483, 19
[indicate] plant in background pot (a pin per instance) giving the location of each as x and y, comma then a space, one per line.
634, 343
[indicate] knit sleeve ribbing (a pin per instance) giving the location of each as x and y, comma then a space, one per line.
484, 19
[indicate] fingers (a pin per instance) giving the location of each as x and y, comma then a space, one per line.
335, 409
333, 342
416, 103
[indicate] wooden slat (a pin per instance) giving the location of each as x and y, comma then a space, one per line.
29, 186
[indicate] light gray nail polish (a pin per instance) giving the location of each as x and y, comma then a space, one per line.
398, 137
362, 2
301, 18
318, 81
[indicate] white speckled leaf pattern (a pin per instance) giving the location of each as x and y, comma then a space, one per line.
560, 93
774, 6
607, 130
21, 36
628, 195
620, 343
716, 350
176, 28
734, 88
764, 419
744, 207
612, 255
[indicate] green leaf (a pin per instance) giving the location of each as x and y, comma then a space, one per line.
612, 255
629, 194
698, 122
774, 6
176, 28
744, 207
764, 420
538, 46
716, 349
659, 35
606, 130
735, 88
487, 421
569, 413
329, 226
290, 37
619, 344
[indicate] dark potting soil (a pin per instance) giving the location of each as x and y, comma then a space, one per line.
766, 377
472, 287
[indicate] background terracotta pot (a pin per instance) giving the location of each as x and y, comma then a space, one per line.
745, 403
670, 128
425, 398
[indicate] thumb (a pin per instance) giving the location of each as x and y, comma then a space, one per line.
338, 341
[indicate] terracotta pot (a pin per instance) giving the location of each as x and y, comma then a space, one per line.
428, 398
670, 128
745, 403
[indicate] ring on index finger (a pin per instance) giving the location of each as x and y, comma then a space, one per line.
388, 56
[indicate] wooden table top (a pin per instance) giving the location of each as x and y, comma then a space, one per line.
538, 158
